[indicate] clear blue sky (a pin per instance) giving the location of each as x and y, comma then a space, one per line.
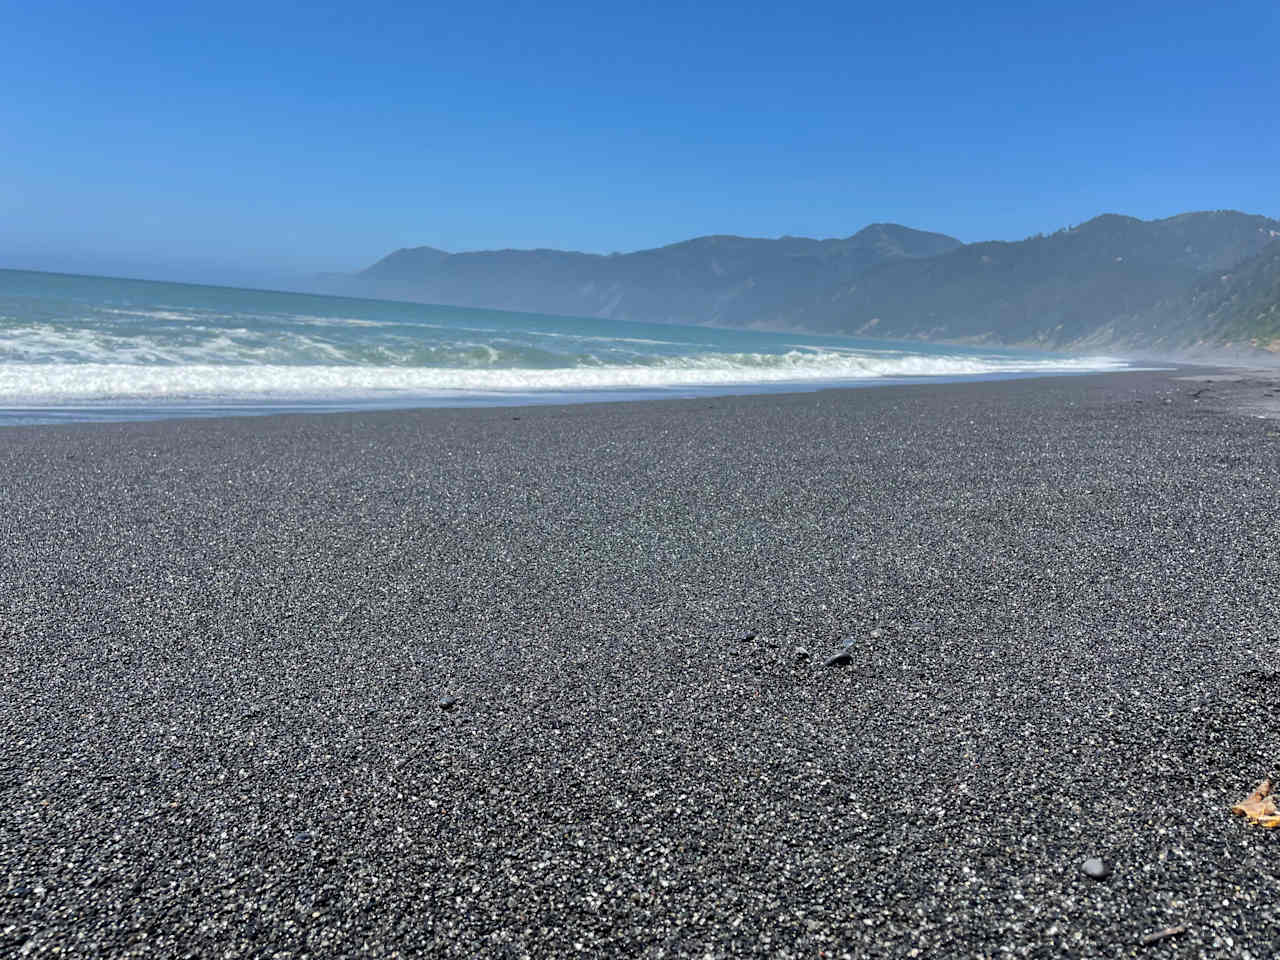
291, 137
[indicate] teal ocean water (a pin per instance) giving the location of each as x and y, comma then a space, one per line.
78, 348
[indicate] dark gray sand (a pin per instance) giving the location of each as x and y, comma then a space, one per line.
225, 645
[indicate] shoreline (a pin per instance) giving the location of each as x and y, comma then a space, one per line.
1243, 389
52, 415
228, 647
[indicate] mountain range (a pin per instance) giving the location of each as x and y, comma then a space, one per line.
1204, 279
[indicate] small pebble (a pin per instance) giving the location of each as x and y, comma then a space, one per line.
1096, 868
448, 703
841, 659
801, 653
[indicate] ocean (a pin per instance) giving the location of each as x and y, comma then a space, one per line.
75, 348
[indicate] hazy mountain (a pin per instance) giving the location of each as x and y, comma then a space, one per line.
1193, 278
1113, 279
726, 280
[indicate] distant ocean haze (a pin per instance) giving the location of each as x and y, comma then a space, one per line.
86, 348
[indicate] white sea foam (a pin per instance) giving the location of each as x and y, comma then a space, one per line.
345, 322
49, 344
206, 316
595, 339
174, 316
54, 383
197, 344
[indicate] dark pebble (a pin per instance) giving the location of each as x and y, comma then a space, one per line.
841, 659
448, 703
801, 653
1095, 868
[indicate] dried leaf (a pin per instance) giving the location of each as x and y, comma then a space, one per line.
1260, 806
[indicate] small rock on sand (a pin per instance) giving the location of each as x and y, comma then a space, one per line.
1095, 868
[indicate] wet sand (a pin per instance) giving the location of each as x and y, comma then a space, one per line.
224, 645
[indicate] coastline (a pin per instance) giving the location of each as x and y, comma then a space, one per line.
29, 415
225, 644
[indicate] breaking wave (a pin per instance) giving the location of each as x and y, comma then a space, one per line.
46, 382
67, 341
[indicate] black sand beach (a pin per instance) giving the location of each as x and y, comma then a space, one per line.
224, 646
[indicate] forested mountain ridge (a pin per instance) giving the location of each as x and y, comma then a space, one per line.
1244, 305
1107, 280
735, 281
1193, 279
